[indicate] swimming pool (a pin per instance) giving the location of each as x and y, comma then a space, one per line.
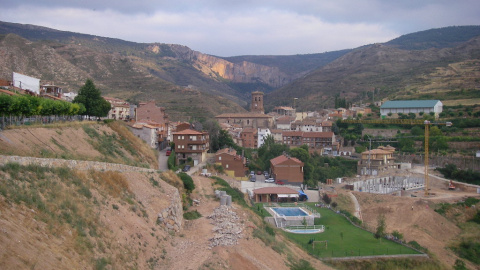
305, 231
290, 211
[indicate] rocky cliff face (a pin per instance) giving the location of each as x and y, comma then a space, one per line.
244, 72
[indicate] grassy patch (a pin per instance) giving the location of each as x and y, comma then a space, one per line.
192, 215
345, 240
237, 195
417, 263
58, 196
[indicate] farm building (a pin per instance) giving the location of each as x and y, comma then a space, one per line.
395, 107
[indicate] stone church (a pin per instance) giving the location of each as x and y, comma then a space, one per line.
256, 118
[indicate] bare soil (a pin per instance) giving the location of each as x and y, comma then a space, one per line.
415, 217
191, 250
126, 237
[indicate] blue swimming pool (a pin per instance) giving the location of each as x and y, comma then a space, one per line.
289, 211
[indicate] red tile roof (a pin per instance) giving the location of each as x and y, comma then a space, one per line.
283, 158
188, 132
292, 133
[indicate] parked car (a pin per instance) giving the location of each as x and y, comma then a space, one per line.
168, 152
253, 178
279, 182
265, 173
270, 180
186, 168
259, 172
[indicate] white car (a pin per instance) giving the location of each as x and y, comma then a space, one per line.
270, 180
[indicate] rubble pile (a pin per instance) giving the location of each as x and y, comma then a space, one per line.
228, 227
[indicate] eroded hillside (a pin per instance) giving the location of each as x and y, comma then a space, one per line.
111, 142
114, 217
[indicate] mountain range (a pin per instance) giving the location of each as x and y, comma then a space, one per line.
190, 84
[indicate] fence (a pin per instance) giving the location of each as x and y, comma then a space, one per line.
322, 252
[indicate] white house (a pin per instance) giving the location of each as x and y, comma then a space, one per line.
411, 106
26, 82
262, 134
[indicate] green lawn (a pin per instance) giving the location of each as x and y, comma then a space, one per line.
355, 241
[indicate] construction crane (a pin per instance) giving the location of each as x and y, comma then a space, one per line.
425, 123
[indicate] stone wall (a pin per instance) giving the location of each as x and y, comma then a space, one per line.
172, 216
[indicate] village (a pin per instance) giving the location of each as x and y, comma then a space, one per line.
190, 144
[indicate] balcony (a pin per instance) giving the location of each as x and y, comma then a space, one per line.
197, 142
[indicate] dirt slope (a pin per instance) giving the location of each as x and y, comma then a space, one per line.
191, 250
117, 227
415, 217
111, 142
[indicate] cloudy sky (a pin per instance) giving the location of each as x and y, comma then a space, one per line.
246, 27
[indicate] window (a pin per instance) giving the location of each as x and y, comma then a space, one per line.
226, 166
220, 158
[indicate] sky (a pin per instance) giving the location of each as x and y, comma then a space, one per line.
246, 27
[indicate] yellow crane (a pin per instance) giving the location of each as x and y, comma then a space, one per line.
426, 123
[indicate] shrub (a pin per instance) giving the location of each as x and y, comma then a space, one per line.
469, 250
326, 198
171, 161
397, 235
187, 182
270, 230
192, 215
417, 246
301, 265
476, 218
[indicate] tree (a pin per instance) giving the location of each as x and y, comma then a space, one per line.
397, 235
416, 131
326, 198
437, 141
406, 145
381, 227
90, 97
300, 153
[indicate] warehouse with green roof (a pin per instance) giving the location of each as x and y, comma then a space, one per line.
411, 106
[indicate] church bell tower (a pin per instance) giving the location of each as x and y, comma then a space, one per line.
257, 103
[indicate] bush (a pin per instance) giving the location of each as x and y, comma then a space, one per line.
326, 198
192, 215
171, 161
469, 250
187, 182
417, 246
459, 265
270, 230
301, 265
476, 218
